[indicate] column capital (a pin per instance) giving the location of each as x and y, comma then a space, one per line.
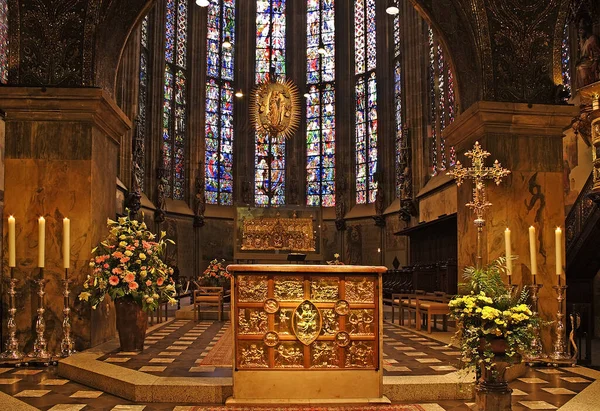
491, 117
91, 105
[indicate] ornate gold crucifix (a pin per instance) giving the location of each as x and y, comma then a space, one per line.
478, 173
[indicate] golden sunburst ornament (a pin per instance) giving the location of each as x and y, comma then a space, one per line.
276, 108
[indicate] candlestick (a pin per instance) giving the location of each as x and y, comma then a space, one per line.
558, 237
532, 250
40, 346
12, 351
508, 252
67, 343
560, 346
41, 242
536, 345
11, 242
66, 243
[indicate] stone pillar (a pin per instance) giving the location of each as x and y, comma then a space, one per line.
526, 139
62, 147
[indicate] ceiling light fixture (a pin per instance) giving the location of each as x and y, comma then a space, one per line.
392, 9
239, 93
202, 3
227, 43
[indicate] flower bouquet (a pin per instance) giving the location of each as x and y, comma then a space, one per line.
128, 266
491, 320
216, 275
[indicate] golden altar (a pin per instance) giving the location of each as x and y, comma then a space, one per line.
307, 332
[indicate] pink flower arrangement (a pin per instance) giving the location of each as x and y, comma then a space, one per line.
128, 264
216, 274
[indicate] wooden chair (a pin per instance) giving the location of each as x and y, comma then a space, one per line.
208, 296
432, 306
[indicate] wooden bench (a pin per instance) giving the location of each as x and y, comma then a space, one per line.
432, 306
405, 301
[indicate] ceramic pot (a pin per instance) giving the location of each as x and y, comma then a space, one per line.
132, 322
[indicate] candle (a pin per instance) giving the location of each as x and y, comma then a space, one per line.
11, 242
41, 242
508, 251
532, 250
66, 242
558, 237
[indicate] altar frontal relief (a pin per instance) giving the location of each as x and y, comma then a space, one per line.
277, 233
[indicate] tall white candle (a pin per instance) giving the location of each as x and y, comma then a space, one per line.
41, 242
532, 250
508, 251
559, 263
11, 242
66, 242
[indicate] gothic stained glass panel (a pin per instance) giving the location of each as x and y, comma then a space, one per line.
269, 153
219, 103
170, 31
175, 100
182, 19
432, 102
398, 118
270, 37
3, 41
441, 104
565, 54
320, 105
141, 135
365, 100
167, 140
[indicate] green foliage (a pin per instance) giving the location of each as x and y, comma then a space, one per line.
488, 309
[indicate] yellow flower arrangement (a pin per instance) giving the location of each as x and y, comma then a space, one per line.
488, 310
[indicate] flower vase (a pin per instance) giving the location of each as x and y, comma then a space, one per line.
132, 322
492, 392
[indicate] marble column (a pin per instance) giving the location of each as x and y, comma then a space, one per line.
62, 148
526, 139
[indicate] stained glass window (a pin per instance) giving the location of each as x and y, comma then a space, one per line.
3, 41
365, 91
174, 100
441, 104
320, 104
399, 161
269, 152
565, 53
141, 135
219, 103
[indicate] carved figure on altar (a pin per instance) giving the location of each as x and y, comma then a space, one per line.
589, 57
306, 320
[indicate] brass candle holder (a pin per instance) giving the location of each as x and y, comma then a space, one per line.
559, 352
67, 344
536, 345
40, 346
12, 351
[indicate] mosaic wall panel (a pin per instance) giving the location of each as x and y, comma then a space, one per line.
302, 321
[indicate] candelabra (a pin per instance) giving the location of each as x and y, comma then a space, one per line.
12, 345
536, 345
560, 346
67, 343
40, 346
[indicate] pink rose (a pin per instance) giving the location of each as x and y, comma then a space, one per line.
133, 285
130, 277
124, 260
106, 265
117, 271
117, 254
149, 283
113, 280
160, 281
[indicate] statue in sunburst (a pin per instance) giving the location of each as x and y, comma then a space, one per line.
276, 108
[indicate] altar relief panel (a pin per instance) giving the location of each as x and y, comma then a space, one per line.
301, 321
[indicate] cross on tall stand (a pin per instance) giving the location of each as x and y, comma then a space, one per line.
478, 173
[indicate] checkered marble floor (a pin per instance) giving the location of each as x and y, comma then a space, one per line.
540, 389
176, 350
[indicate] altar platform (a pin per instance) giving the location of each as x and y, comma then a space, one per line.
102, 378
